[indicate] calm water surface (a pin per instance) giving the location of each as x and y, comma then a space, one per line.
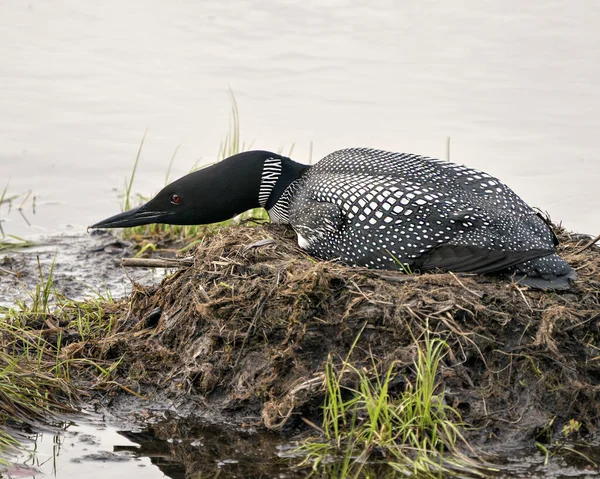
94, 450
514, 84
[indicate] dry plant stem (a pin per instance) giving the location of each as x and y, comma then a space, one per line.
591, 243
7, 271
20, 209
156, 262
247, 332
254, 323
461, 283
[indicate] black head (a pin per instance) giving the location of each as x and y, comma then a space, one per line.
212, 194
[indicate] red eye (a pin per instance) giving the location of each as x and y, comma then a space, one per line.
175, 199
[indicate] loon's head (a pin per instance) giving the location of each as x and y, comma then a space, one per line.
215, 193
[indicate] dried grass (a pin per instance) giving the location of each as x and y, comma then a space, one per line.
246, 330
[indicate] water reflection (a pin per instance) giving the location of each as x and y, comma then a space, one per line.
85, 449
182, 448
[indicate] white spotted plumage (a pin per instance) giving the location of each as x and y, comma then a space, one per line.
378, 209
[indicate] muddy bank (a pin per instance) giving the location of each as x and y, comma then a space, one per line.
84, 265
243, 334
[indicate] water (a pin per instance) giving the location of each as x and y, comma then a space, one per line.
89, 449
98, 447
82, 266
513, 84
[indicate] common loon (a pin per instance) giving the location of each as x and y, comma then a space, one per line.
373, 208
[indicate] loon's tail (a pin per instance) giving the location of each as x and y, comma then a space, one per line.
549, 272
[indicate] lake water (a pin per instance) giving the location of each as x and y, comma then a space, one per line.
515, 86
91, 449
96, 448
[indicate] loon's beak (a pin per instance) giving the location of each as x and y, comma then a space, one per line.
134, 217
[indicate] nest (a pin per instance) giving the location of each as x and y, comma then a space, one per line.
245, 331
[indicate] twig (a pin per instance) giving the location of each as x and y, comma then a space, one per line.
479, 295
522, 296
257, 313
260, 243
312, 424
455, 328
397, 279
130, 391
592, 242
20, 208
358, 290
8, 271
156, 262
580, 323
203, 293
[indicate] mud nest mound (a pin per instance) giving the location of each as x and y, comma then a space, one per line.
246, 328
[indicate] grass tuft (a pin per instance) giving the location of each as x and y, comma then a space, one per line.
412, 432
40, 341
129, 184
12, 242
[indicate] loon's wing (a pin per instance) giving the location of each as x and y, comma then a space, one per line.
474, 259
549, 272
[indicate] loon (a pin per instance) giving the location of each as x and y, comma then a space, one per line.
373, 208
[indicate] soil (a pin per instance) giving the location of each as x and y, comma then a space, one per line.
241, 331
83, 265
245, 331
